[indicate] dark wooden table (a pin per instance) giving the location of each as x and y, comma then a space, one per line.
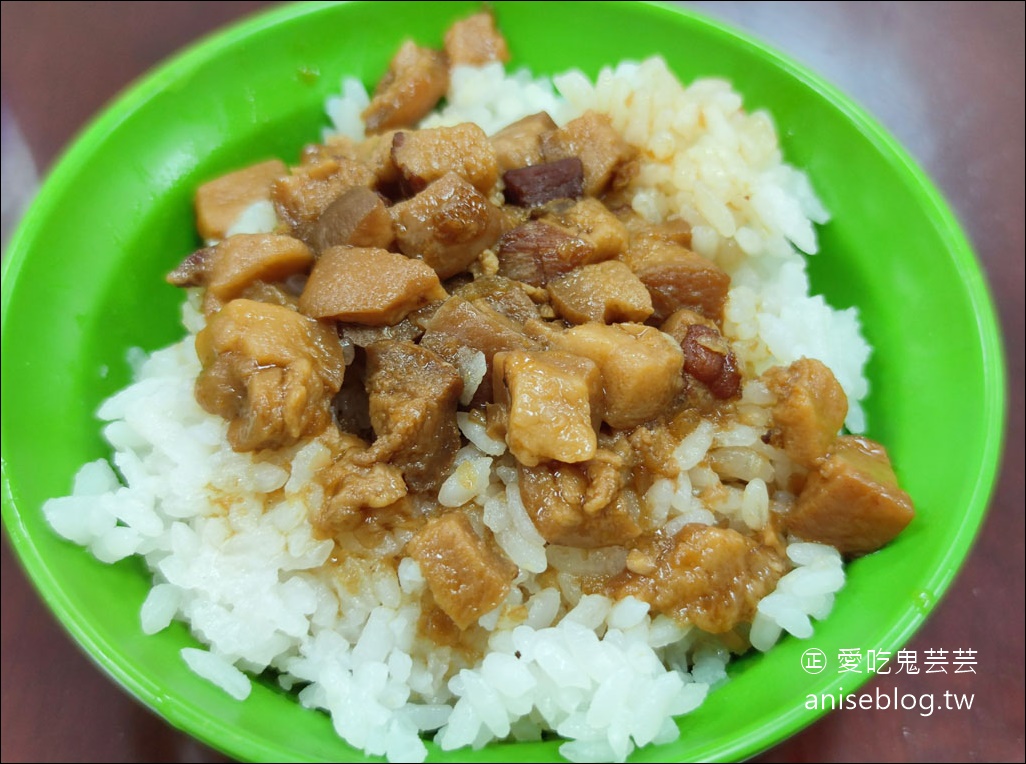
946, 79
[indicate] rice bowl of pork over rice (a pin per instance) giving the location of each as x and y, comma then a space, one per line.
503, 415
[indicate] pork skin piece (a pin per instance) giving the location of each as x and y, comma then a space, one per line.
640, 368
810, 409
851, 500
554, 402
710, 577
269, 371
219, 202
424, 156
447, 225
416, 79
467, 578
413, 394
357, 218
519, 144
605, 292
593, 139
475, 41
369, 286
678, 278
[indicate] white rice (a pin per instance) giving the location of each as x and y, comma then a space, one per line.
227, 539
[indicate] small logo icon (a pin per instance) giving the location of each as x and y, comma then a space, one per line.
813, 660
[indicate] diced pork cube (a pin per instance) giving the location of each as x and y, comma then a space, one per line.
501, 295
810, 409
467, 578
475, 41
591, 220
593, 139
680, 321
606, 292
352, 487
413, 395
519, 144
538, 251
447, 225
640, 368
851, 500
357, 218
555, 496
553, 400
219, 202
459, 329
424, 156
368, 286
416, 79
678, 278
541, 183
302, 197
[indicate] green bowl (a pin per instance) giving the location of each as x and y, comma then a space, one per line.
83, 282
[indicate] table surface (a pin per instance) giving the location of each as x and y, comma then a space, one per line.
946, 79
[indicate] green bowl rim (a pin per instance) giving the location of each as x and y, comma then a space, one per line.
151, 83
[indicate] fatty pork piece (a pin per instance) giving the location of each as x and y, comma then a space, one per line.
475, 41
710, 577
810, 409
467, 578
219, 202
554, 404
447, 225
572, 505
416, 79
605, 292
460, 329
592, 220
303, 196
357, 218
413, 394
519, 144
374, 152
269, 371
593, 139
640, 368
538, 251
678, 278
566, 237
851, 500
502, 295
351, 487
424, 156
368, 286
